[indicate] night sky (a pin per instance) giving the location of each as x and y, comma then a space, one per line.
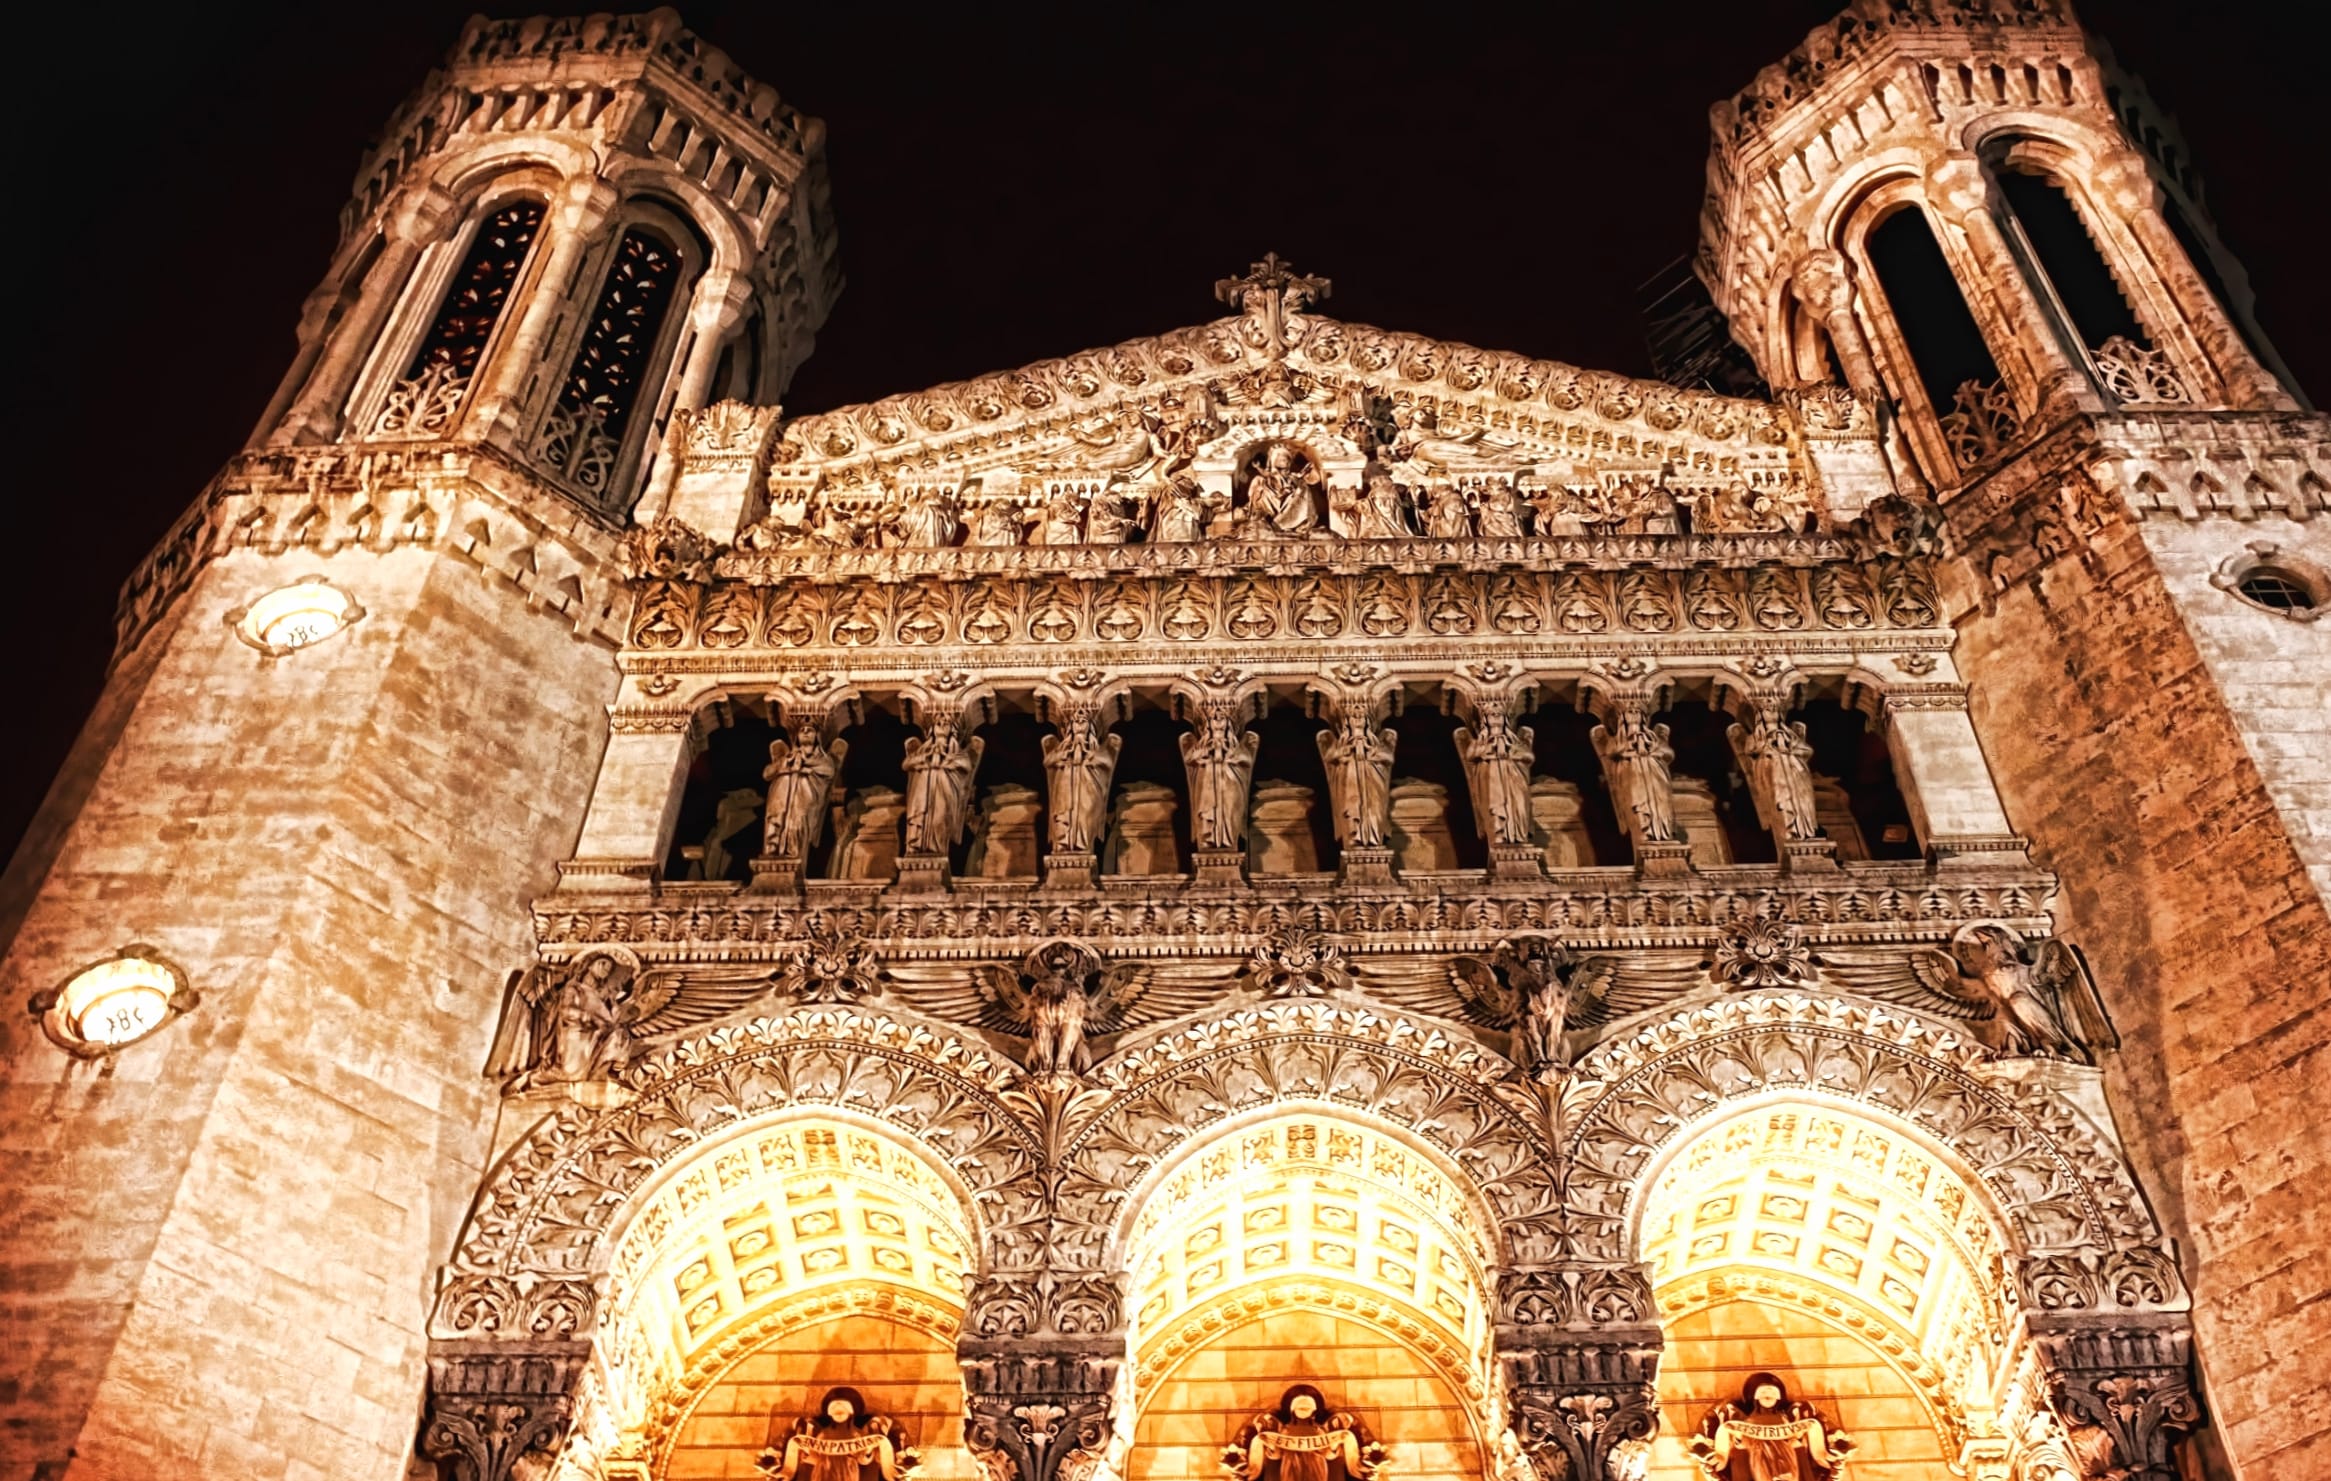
1011, 184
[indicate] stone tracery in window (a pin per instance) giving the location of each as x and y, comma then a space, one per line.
584, 435
424, 400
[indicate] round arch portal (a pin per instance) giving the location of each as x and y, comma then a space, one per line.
1311, 1244
1799, 1236
796, 1252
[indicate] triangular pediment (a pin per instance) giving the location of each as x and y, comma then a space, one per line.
1078, 411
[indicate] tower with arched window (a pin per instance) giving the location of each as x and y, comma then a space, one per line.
1977, 221
1278, 894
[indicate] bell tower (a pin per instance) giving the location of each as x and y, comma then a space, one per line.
358, 700
1971, 217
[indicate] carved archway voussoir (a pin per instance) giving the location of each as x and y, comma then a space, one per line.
1309, 1056
2052, 1186
538, 1241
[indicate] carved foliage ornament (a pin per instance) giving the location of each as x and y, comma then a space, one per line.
2056, 1186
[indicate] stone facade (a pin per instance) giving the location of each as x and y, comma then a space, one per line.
1283, 852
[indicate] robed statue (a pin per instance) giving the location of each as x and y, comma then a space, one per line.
1767, 1437
841, 1442
1304, 1440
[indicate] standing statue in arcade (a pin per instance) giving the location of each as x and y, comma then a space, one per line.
1765, 1437
1304, 1440
841, 1442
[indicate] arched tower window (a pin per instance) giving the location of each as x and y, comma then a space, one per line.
622, 344
426, 396
2087, 296
1946, 347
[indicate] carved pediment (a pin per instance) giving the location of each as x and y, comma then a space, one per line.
1152, 439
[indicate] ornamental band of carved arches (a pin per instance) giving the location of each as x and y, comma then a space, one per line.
1051, 1178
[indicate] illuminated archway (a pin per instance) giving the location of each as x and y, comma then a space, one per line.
1311, 1244
798, 1251
1802, 1237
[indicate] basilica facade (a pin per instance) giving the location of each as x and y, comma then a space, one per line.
1281, 900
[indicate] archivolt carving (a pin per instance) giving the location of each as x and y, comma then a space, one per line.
537, 1239
1300, 1052
1194, 1329
2054, 1185
907, 1307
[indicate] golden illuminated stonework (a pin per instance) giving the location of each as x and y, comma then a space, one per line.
1280, 900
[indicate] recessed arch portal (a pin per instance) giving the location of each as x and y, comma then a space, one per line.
751, 1267
1873, 1271
1309, 1243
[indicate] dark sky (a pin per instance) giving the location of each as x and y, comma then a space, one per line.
1011, 184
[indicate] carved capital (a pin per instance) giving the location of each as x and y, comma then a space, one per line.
1040, 1411
2123, 1390
1044, 1304
1824, 280
1583, 1410
492, 1404
1533, 1300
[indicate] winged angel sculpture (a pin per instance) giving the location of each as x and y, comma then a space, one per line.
2023, 997
567, 1023
1061, 998
1535, 989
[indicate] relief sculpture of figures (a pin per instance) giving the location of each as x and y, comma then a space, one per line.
1358, 757
1278, 497
1304, 1440
998, 522
801, 776
1636, 758
927, 519
1220, 758
1446, 514
841, 1442
940, 767
564, 1024
1183, 511
1376, 511
1078, 763
1778, 761
1766, 1437
1497, 754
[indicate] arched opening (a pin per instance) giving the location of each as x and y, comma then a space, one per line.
1570, 801
725, 797
1006, 837
1951, 363
599, 419
1290, 829
429, 392
1713, 807
1811, 1241
1315, 1248
1856, 793
2068, 259
788, 1257
1148, 821
1432, 827
868, 829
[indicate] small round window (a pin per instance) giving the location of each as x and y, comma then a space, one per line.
2272, 580
2270, 586
293, 617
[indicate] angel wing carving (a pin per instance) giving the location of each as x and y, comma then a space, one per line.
1924, 979
1059, 1000
673, 1000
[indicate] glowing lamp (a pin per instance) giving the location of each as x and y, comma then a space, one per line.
293, 617
115, 1002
